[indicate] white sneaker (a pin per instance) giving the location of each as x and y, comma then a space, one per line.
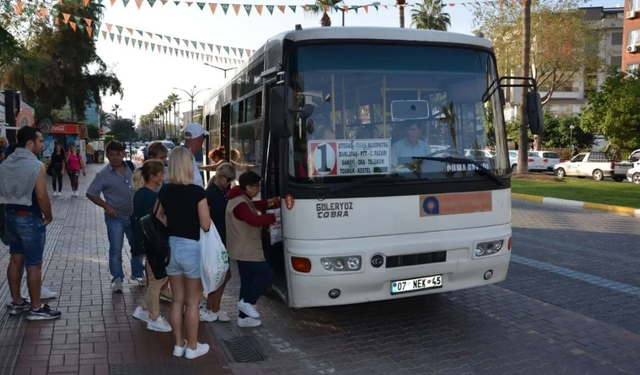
116, 286
248, 322
179, 351
210, 316
200, 350
159, 325
44, 294
248, 309
141, 314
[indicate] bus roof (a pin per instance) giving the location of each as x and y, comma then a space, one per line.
383, 33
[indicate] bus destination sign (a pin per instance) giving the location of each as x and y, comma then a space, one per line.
349, 157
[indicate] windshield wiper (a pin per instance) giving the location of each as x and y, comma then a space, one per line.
454, 160
363, 181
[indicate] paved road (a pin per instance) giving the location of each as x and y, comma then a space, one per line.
569, 306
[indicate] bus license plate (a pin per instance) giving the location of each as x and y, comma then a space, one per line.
413, 285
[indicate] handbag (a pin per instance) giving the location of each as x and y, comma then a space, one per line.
50, 169
156, 244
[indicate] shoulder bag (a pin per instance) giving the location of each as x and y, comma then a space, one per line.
156, 244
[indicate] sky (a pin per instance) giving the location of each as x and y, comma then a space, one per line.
148, 78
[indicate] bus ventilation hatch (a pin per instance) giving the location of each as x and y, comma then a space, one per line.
416, 259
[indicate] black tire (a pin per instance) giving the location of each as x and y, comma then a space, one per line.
618, 179
561, 173
636, 178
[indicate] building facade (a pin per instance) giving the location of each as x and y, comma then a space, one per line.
631, 36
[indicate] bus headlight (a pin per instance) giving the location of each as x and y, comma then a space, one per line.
488, 248
346, 263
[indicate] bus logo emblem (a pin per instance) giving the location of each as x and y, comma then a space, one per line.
289, 201
377, 261
431, 206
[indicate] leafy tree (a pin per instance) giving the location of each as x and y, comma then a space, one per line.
59, 66
613, 111
122, 129
429, 15
563, 42
558, 132
93, 131
324, 7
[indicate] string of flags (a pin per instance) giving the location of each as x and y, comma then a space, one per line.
167, 50
41, 9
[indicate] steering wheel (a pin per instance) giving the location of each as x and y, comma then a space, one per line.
452, 151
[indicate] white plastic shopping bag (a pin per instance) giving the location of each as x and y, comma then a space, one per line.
213, 259
275, 229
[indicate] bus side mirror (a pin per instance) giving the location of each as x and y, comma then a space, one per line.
534, 113
278, 122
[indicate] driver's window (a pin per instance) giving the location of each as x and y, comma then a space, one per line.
578, 158
635, 157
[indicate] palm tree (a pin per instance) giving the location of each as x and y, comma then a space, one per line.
115, 109
401, 4
106, 120
324, 6
429, 16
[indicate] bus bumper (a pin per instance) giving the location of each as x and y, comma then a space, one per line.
461, 270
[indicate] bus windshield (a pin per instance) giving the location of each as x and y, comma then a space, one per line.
377, 109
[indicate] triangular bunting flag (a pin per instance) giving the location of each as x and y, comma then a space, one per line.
240, 50
112, 35
210, 47
119, 38
126, 40
104, 34
236, 8
67, 16
125, 2
89, 21
218, 47
150, 35
270, 8
247, 7
259, 9
86, 2
201, 5
112, 2
151, 2
146, 45
170, 50
140, 32
89, 31
192, 55
140, 44
189, 3
293, 8
203, 46
165, 49
366, 8
186, 42
213, 7
130, 30
177, 3
226, 48
234, 50
133, 42
248, 52
195, 44
282, 8
139, 3
78, 19
177, 40
163, 2
159, 36
182, 52
197, 55
153, 47
225, 7
119, 29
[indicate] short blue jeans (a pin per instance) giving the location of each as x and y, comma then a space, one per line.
185, 257
26, 235
116, 230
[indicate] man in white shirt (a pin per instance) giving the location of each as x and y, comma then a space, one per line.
194, 135
410, 146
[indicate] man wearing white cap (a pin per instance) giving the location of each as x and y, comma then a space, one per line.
194, 135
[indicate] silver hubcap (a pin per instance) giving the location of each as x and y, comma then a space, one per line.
636, 178
598, 175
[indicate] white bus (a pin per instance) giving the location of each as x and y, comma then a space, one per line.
362, 132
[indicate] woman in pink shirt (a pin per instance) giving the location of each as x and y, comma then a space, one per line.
74, 163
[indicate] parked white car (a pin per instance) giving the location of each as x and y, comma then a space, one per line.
549, 158
633, 175
595, 164
535, 162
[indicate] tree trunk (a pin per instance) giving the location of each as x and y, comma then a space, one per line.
325, 21
400, 4
523, 166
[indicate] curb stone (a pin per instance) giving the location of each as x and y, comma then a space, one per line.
577, 204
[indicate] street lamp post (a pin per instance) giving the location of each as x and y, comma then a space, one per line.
219, 68
342, 9
571, 135
192, 95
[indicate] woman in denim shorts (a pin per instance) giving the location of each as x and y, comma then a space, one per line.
184, 210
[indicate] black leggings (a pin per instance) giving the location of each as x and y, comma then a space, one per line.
56, 177
73, 176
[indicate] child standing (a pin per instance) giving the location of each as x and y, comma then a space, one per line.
152, 172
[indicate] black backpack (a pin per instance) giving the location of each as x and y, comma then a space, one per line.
156, 244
